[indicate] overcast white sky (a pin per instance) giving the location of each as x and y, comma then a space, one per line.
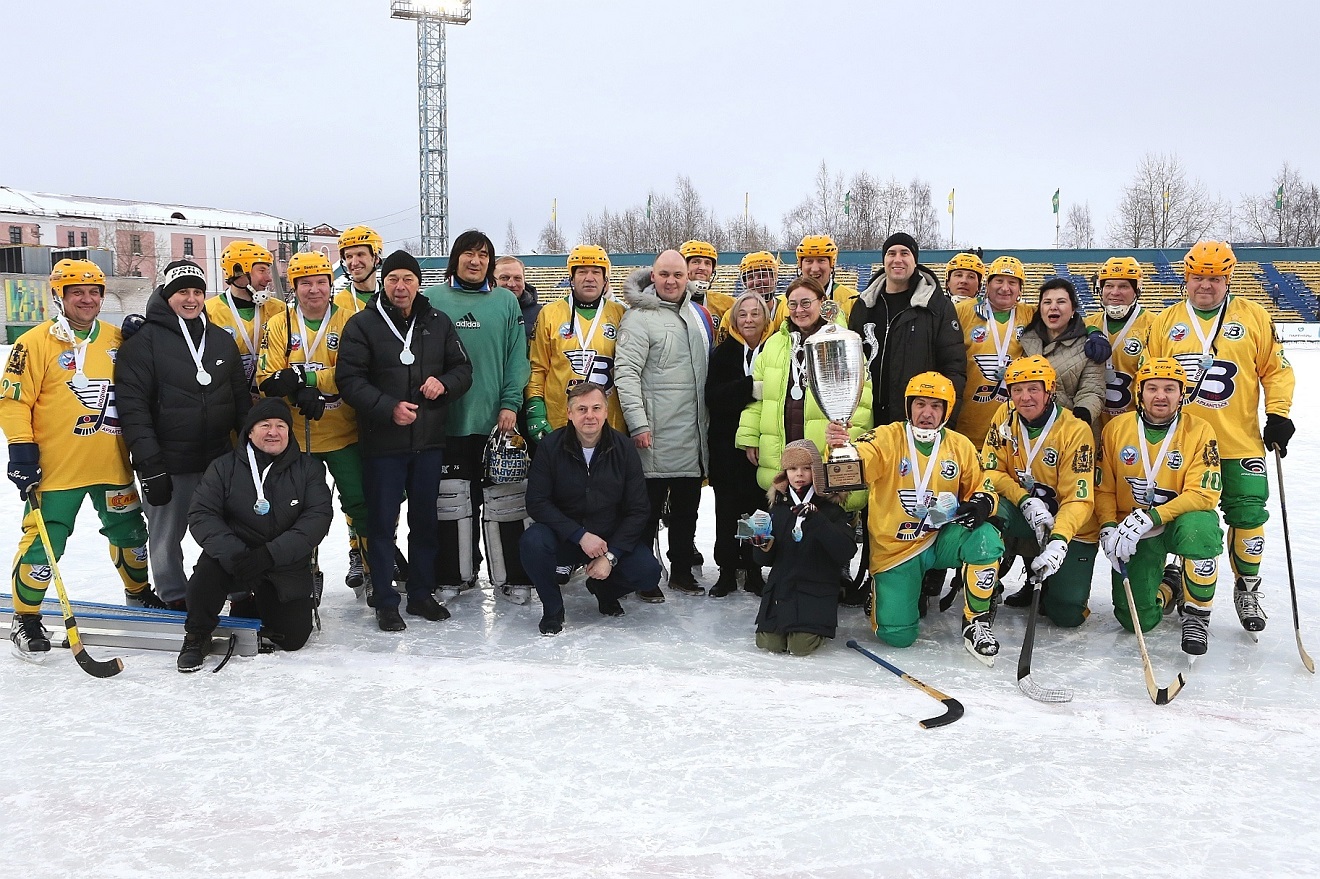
308, 109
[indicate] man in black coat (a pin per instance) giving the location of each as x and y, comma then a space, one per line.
587, 495
258, 514
909, 326
400, 363
181, 392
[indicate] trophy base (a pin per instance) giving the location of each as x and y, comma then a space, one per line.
842, 475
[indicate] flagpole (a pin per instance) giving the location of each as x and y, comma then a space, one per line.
952, 219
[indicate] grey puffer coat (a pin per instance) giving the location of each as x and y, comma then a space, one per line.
1081, 382
660, 362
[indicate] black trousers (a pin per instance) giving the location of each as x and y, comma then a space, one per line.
731, 502
684, 495
463, 461
287, 623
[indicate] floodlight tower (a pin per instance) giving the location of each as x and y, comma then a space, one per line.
432, 112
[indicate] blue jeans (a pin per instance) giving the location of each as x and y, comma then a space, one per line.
385, 480
543, 552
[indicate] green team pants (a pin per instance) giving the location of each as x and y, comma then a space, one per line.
1245, 491
1063, 597
894, 615
120, 512
345, 466
1194, 536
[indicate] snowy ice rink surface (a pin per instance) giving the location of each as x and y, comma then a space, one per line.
663, 743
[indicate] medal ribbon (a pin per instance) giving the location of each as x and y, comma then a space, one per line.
799, 363
1029, 451
921, 480
749, 357
79, 348
1153, 471
1117, 342
1001, 346
241, 327
406, 340
799, 502
591, 331
320, 334
194, 350
259, 481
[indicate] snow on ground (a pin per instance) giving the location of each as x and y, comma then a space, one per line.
662, 743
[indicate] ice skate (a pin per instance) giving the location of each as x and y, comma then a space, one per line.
30, 639
1246, 601
979, 640
1195, 630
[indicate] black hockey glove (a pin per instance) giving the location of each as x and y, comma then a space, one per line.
285, 382
132, 323
1097, 347
251, 566
975, 510
310, 403
1278, 430
1081, 413
157, 486
24, 471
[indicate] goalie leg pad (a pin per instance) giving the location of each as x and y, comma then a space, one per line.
503, 519
453, 510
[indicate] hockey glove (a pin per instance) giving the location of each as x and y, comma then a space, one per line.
310, 403
1097, 347
251, 566
285, 382
1082, 414
1051, 558
1278, 430
1130, 531
1108, 535
1038, 516
975, 510
132, 323
24, 469
538, 425
157, 486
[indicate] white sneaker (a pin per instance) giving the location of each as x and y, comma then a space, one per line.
516, 594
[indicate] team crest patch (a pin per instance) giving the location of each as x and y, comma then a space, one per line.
1050, 457
332, 341
295, 342
978, 334
948, 469
1178, 332
1174, 460
122, 500
1083, 460
112, 354
1019, 332
1128, 455
1205, 568
994, 440
908, 530
609, 331
66, 360
1132, 347
985, 580
904, 467
17, 362
1211, 454
1253, 546
1254, 466
1234, 331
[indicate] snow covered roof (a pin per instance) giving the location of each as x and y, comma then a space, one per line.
47, 204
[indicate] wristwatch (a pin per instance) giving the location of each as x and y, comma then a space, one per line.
611, 558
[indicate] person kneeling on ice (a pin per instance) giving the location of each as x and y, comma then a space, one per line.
810, 539
929, 502
1156, 486
1041, 459
258, 515
586, 493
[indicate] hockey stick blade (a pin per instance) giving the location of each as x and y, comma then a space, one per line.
1025, 683
1159, 695
954, 707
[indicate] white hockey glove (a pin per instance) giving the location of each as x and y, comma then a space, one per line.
1038, 516
1130, 530
1051, 558
1108, 536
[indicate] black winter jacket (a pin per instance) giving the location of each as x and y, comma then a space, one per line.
728, 393
223, 521
926, 336
164, 411
608, 499
373, 380
802, 593
531, 310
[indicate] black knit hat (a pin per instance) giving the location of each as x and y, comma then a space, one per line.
267, 407
401, 259
181, 275
904, 239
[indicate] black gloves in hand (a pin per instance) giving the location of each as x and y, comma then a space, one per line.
1278, 430
976, 509
1097, 347
285, 382
1082, 414
251, 566
157, 486
24, 471
310, 403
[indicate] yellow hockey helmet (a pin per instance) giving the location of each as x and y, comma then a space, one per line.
1031, 369
1120, 268
968, 262
239, 257
934, 385
68, 272
1161, 367
1007, 265
588, 255
1210, 259
818, 245
758, 259
361, 236
306, 265
694, 247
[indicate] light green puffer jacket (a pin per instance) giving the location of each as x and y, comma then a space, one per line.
762, 423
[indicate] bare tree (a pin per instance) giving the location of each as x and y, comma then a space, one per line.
1078, 230
1161, 207
511, 245
923, 220
137, 251
413, 246
821, 213
1289, 214
550, 240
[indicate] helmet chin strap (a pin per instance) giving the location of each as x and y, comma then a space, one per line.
1121, 312
925, 434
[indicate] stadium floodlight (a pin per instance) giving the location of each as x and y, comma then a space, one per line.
432, 111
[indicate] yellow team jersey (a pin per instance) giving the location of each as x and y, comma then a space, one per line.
1062, 470
281, 344
560, 360
352, 299
985, 391
1128, 341
1247, 357
76, 428
896, 533
1187, 479
845, 296
717, 304
246, 333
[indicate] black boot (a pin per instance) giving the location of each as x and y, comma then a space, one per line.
195, 648
389, 620
427, 606
682, 580
552, 623
726, 584
754, 582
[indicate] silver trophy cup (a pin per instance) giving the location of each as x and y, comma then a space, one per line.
836, 372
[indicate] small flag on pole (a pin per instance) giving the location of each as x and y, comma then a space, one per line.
1056, 201
847, 203
554, 212
1278, 198
951, 201
648, 207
